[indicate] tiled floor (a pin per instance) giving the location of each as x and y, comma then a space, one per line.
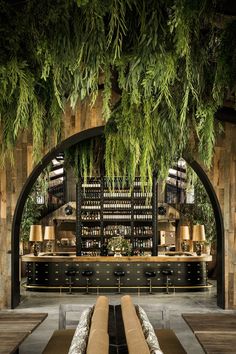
176, 303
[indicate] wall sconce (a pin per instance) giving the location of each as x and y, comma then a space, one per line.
184, 235
49, 236
36, 236
198, 237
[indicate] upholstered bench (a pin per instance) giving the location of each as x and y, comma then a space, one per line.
140, 335
94, 339
122, 331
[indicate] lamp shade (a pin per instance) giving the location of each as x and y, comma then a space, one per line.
199, 233
184, 233
36, 233
49, 233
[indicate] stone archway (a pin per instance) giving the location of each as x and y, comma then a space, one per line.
74, 139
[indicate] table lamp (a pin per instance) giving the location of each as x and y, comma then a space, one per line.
198, 237
184, 235
49, 236
36, 236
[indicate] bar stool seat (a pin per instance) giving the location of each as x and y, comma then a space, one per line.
167, 272
149, 274
119, 274
87, 273
70, 273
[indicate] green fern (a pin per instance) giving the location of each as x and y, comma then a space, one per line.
170, 61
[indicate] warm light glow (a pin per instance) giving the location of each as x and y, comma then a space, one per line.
49, 233
199, 233
184, 233
36, 233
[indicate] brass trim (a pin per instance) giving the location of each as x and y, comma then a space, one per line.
115, 287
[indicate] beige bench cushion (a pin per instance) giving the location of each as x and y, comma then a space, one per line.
59, 342
133, 331
102, 301
136, 344
100, 319
98, 342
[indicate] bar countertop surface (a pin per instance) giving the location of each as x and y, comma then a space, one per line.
71, 257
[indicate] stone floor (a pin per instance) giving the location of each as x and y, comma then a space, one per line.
177, 303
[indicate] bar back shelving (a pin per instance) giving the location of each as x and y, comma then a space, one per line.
104, 212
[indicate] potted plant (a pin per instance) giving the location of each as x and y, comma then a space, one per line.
119, 245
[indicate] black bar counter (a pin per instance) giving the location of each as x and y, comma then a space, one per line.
48, 272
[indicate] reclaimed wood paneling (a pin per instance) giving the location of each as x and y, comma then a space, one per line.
12, 179
223, 178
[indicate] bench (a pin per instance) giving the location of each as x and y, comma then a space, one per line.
61, 339
136, 341
98, 339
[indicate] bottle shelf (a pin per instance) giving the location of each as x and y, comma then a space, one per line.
110, 236
84, 208
93, 186
144, 237
103, 214
116, 198
90, 237
116, 209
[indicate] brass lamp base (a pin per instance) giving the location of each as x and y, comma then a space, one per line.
185, 246
198, 248
36, 249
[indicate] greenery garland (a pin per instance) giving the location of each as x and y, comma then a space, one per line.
170, 59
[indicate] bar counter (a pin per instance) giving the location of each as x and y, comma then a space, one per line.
43, 257
63, 271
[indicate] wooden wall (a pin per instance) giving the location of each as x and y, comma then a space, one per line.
12, 179
223, 179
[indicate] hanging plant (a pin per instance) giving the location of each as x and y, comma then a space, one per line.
86, 158
171, 61
34, 205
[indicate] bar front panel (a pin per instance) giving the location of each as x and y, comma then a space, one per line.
184, 275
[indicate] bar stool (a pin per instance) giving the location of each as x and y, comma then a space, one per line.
119, 274
167, 273
87, 273
70, 273
149, 275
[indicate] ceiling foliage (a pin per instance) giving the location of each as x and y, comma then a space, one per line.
173, 61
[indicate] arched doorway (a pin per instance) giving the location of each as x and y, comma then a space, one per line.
87, 134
